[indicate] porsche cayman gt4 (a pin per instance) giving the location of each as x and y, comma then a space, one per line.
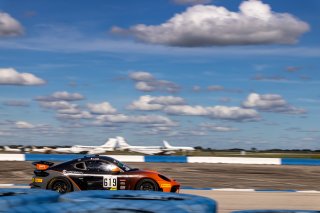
98, 173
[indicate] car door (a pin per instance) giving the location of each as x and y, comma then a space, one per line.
76, 172
98, 175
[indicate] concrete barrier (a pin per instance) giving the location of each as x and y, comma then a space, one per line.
167, 159
51, 157
12, 157
128, 158
237, 160
297, 161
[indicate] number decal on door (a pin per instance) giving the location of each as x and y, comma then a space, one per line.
110, 181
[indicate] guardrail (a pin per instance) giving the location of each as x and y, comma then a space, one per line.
167, 159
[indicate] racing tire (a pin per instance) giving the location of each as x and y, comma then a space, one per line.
61, 185
147, 185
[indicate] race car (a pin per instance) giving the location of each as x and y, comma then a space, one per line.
98, 173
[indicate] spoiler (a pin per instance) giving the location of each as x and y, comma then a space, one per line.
42, 165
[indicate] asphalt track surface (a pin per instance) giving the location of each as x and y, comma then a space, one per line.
239, 176
236, 176
236, 200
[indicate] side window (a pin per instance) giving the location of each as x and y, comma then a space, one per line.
92, 166
80, 166
99, 166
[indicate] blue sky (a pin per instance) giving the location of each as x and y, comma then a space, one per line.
218, 74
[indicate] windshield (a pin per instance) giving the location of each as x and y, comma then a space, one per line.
122, 166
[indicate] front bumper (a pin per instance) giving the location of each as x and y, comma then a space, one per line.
172, 186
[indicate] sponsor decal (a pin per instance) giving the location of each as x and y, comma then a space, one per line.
65, 172
37, 180
122, 187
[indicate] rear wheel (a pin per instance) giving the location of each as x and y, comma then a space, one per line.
60, 185
147, 185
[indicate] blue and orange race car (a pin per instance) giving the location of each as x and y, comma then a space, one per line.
98, 173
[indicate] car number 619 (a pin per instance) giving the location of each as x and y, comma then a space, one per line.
110, 181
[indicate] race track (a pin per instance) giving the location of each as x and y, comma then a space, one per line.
236, 176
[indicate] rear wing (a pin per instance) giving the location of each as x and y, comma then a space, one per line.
42, 165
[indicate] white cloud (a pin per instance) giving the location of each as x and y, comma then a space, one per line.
66, 111
79, 115
217, 128
146, 82
270, 103
215, 112
209, 25
9, 76
61, 96
72, 111
144, 104
102, 108
9, 26
24, 125
191, 2
187, 110
167, 86
141, 76
186, 133
138, 119
69, 44
167, 100
155, 103
57, 105
144, 86
264, 101
67, 96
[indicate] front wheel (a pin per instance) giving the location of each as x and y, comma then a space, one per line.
147, 185
60, 185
